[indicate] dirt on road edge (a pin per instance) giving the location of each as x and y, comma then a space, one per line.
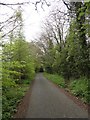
23, 105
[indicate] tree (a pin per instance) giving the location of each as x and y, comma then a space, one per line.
16, 54
52, 39
69, 56
79, 11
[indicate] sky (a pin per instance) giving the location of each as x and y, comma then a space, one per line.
32, 19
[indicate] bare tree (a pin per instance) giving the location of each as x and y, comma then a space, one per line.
55, 28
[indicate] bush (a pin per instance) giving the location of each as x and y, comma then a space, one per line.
11, 98
79, 88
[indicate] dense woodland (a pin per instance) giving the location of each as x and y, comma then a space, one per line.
63, 49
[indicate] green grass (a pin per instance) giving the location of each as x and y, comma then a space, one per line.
59, 80
78, 87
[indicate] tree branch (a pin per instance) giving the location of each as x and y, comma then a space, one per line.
14, 3
9, 31
67, 5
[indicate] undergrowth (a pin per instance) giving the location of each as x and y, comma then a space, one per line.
11, 96
59, 80
78, 87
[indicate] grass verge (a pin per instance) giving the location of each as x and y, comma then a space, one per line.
78, 87
59, 80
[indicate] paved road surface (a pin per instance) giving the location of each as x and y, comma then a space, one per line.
47, 101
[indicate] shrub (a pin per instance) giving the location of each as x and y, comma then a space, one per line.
10, 99
79, 88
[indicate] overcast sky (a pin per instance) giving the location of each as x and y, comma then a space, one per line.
32, 19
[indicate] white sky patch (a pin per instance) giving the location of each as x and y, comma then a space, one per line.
33, 21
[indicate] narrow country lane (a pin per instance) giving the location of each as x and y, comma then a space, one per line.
46, 101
